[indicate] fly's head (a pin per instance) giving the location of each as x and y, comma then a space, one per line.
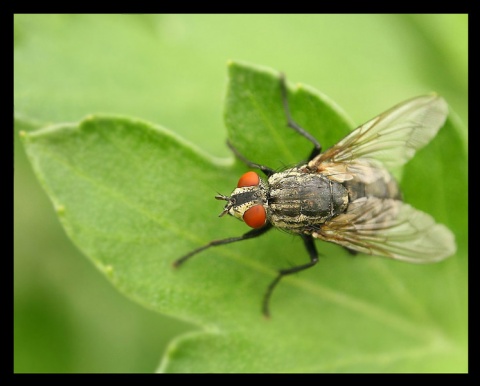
248, 201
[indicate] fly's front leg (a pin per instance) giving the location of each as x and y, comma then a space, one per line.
249, 235
265, 169
312, 252
317, 148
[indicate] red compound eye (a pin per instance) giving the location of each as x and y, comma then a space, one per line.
248, 179
255, 217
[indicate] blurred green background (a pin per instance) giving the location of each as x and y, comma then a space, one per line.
171, 70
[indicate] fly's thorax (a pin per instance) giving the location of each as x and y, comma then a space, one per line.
300, 201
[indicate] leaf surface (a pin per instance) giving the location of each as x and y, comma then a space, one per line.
133, 197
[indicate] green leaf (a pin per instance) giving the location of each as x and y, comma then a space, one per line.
256, 121
134, 197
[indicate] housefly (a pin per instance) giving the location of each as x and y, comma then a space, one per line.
345, 195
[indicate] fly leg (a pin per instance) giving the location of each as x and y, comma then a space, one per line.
352, 252
312, 251
249, 235
317, 148
265, 169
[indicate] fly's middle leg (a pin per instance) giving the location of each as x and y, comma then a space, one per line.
312, 252
317, 148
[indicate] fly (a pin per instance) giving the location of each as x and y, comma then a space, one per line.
345, 195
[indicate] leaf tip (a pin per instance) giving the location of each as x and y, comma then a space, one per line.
108, 270
60, 209
87, 120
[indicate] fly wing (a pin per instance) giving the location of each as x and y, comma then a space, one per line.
390, 139
390, 228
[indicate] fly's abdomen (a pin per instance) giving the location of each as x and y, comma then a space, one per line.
381, 184
298, 202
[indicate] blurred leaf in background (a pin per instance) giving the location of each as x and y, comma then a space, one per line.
170, 70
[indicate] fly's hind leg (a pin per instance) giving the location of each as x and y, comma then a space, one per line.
317, 148
352, 252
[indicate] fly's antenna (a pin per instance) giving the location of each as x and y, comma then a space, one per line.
227, 207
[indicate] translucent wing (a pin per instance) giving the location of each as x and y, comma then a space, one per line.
390, 228
390, 139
